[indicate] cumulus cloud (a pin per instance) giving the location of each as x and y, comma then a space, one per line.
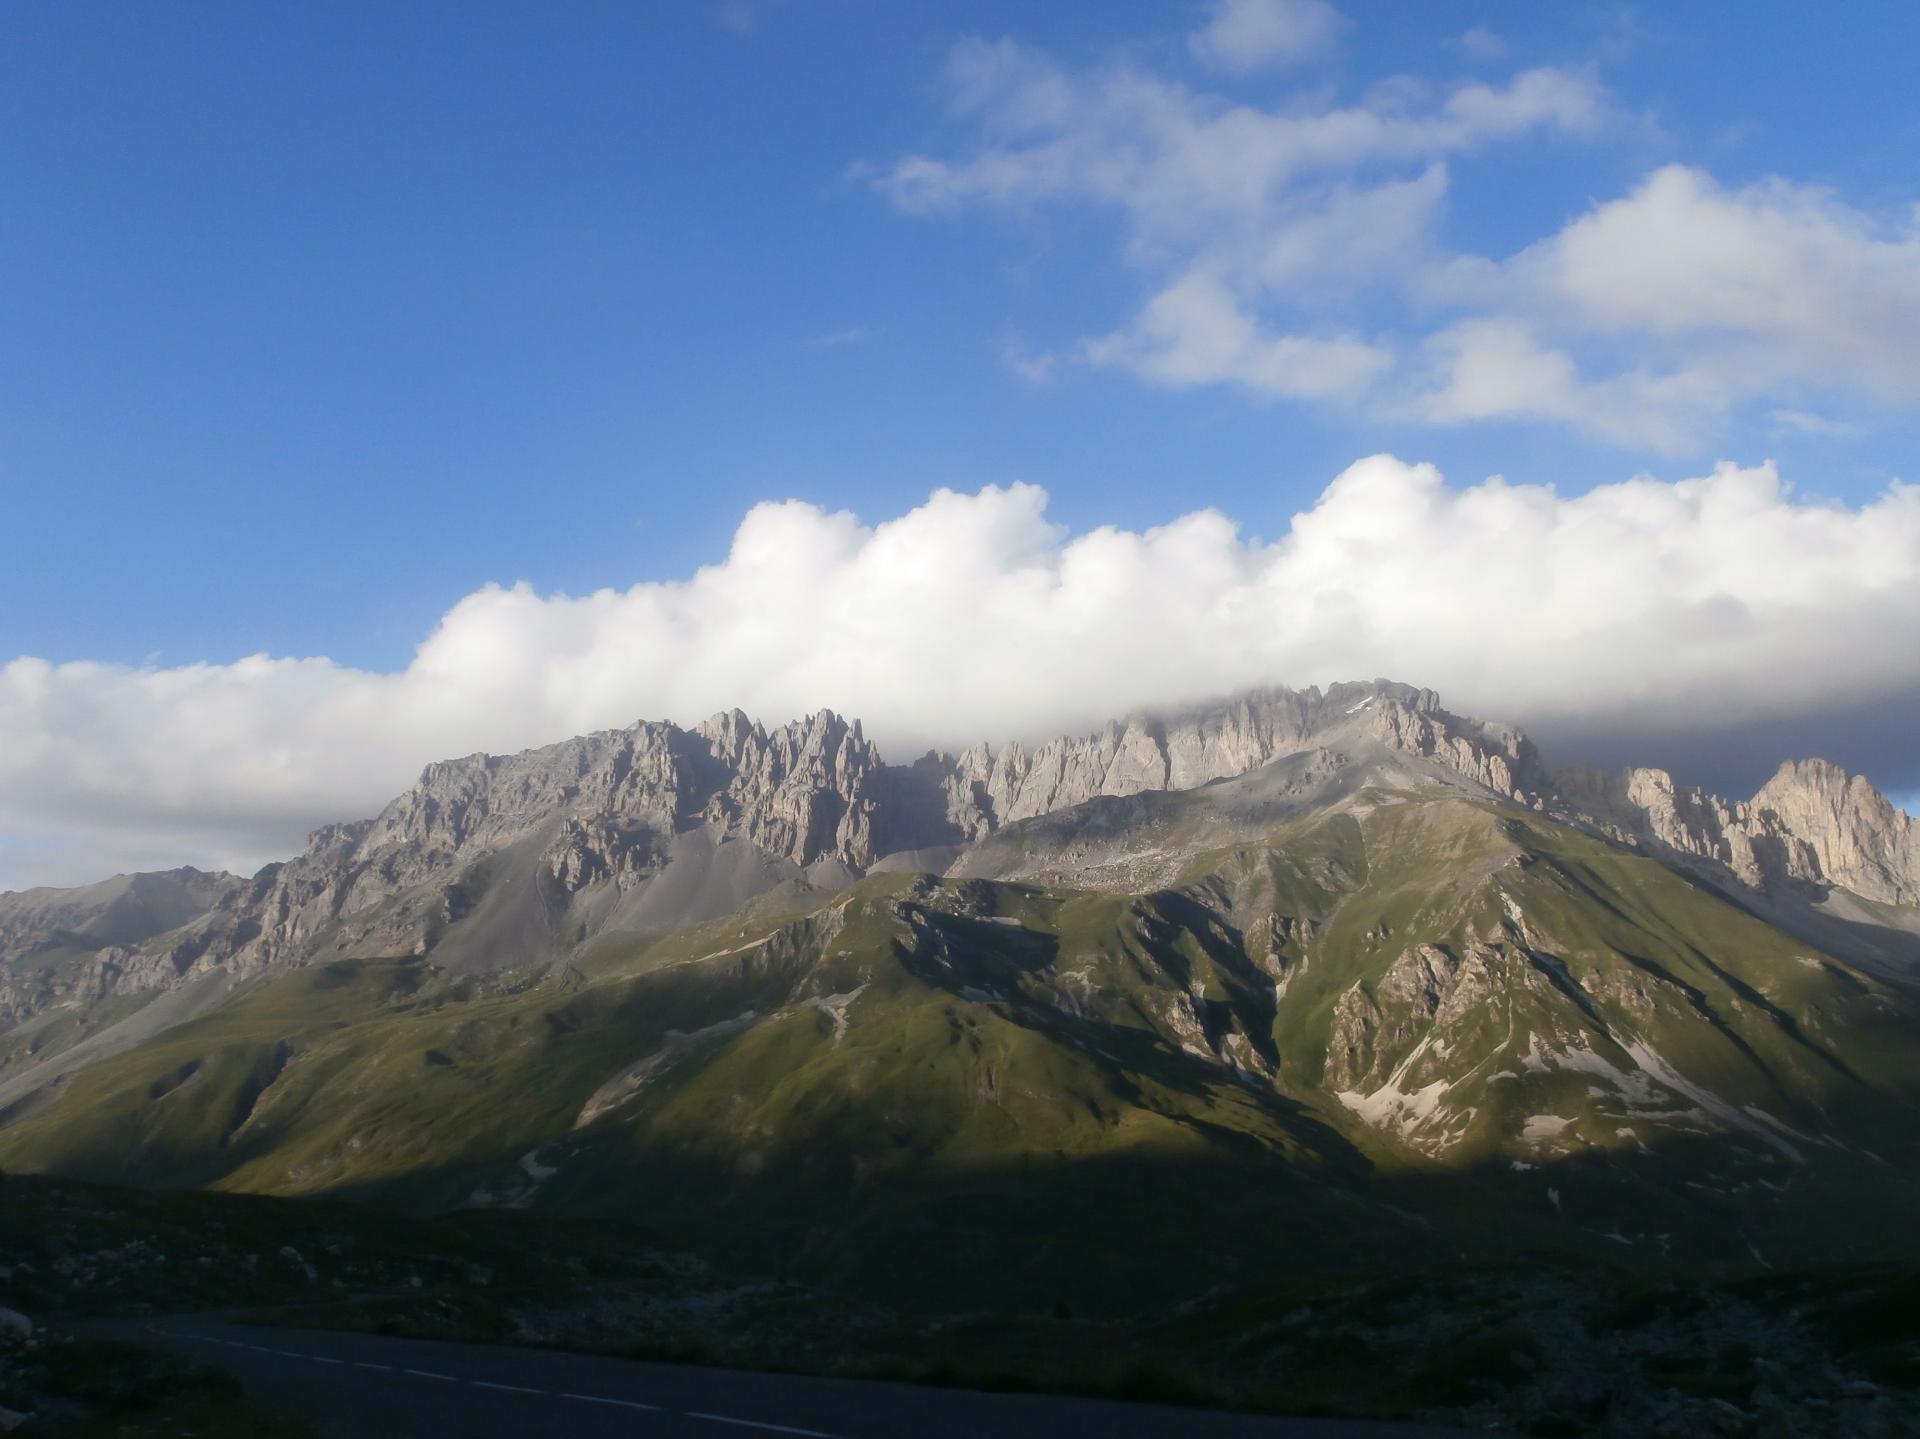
1772, 289
1267, 233
1639, 609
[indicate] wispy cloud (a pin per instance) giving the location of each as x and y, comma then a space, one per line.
1245, 35
851, 335
1481, 45
1241, 214
1802, 422
1298, 249
743, 17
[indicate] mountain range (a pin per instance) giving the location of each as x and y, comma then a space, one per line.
1297, 978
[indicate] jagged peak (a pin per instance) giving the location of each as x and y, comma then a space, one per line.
1823, 776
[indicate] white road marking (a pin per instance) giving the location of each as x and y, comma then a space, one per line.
522, 1389
756, 1424
623, 1403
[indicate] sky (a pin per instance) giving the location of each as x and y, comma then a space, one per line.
380, 383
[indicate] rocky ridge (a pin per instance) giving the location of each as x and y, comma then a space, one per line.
560, 842
1811, 826
986, 790
76, 946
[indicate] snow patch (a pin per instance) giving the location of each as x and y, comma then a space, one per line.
1651, 1060
1653, 1085
1401, 1110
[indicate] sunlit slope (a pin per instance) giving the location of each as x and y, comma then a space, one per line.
1416, 1023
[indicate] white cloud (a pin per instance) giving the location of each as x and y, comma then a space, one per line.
1768, 283
1804, 422
1498, 369
1196, 333
1266, 232
1481, 44
1724, 296
1180, 163
1643, 607
1245, 35
1239, 211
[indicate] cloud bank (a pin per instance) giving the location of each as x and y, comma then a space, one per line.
1295, 249
1719, 618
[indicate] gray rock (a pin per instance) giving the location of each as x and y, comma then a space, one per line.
1812, 824
497, 861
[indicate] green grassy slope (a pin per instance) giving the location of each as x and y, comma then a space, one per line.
1418, 1024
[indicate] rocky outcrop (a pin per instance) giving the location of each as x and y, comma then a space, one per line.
125, 935
601, 808
1856, 837
1812, 824
1188, 749
1427, 990
567, 839
123, 910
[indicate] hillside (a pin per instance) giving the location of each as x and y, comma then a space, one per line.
1230, 1056
1365, 1003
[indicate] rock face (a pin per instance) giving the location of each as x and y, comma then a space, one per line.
649, 827
600, 810
119, 911
605, 810
1812, 824
76, 946
1186, 750
1858, 839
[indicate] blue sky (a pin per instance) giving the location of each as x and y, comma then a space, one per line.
316, 320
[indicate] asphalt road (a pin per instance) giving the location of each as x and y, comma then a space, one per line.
365, 1386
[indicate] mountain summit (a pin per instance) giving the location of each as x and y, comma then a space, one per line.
1356, 965
492, 861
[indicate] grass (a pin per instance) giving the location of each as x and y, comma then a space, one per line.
1026, 1068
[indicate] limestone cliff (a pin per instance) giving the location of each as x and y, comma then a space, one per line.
1188, 749
521, 858
1812, 824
